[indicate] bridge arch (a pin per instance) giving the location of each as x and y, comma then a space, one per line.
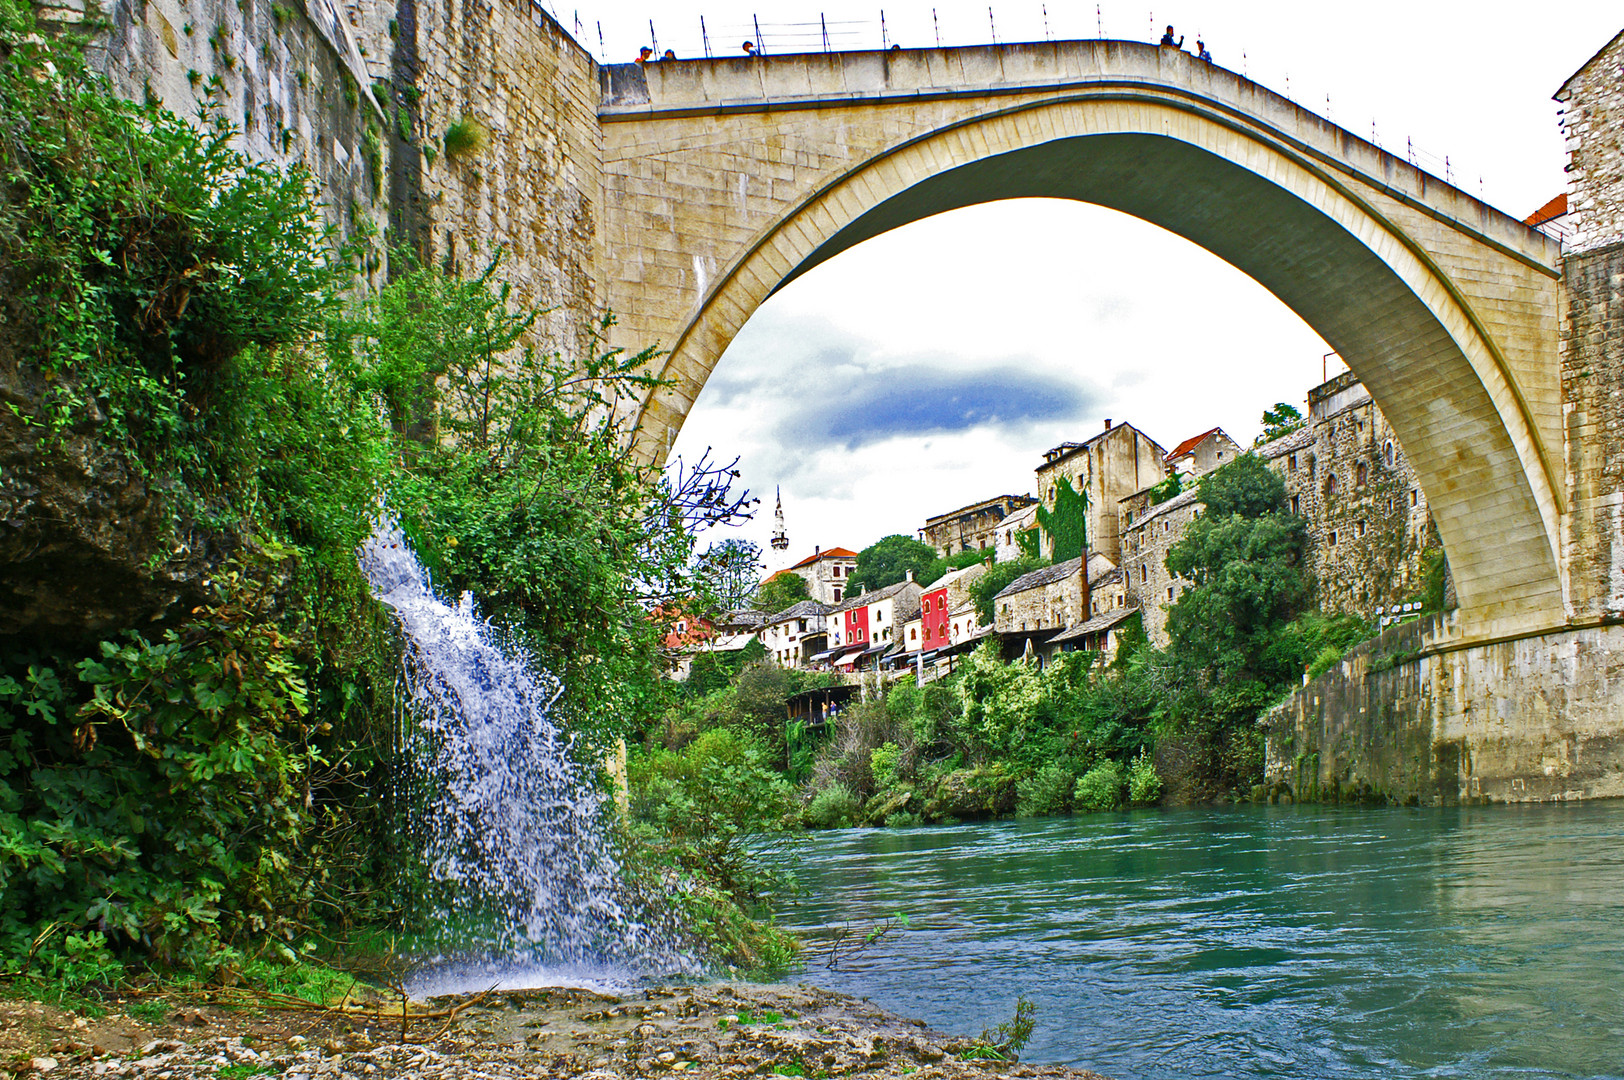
1437, 304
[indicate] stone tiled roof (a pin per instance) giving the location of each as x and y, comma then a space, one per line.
1285, 444
1183, 498
1043, 576
1109, 577
800, 611
866, 598
753, 619
1099, 622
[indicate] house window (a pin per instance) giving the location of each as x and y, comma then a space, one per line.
682, 628
1291, 463
1361, 474
837, 570
1387, 452
1330, 541
1144, 573
1170, 593
1313, 462
1412, 496
1330, 484
913, 632
941, 602
1359, 528
1296, 504
1220, 455
837, 594
800, 626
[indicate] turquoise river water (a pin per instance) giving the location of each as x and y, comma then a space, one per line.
1249, 942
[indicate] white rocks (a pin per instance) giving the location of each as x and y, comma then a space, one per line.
42, 1064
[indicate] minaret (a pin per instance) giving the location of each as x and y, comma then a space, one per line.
780, 541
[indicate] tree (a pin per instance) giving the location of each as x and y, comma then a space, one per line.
887, 561
1244, 559
1067, 523
940, 567
1281, 420
998, 578
782, 590
730, 571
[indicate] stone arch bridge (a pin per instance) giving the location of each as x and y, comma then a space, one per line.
724, 179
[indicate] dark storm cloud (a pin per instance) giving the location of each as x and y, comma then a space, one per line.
825, 388
920, 399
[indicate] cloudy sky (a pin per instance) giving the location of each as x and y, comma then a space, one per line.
930, 367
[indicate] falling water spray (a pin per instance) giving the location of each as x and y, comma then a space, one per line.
527, 891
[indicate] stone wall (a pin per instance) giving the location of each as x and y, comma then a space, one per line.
1527, 720
1109, 467
1593, 100
1049, 599
532, 184
1368, 519
288, 75
1592, 372
1147, 532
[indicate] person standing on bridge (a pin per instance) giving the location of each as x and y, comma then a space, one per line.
1167, 39
643, 54
749, 48
1201, 52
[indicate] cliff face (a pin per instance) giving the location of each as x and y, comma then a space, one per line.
86, 545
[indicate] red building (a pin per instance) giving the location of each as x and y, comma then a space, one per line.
935, 615
857, 625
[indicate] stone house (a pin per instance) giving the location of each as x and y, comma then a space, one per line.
825, 573
1007, 544
1148, 531
1049, 599
1592, 117
795, 634
1200, 454
1369, 524
973, 527
1115, 463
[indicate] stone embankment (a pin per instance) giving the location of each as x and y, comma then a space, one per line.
724, 1030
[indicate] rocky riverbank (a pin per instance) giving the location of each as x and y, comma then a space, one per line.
720, 1030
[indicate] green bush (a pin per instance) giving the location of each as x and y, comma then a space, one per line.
464, 138
1144, 786
882, 762
833, 807
1100, 788
1045, 792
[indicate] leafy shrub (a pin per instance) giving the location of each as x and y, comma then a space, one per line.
1100, 788
464, 138
1046, 791
882, 762
1144, 786
834, 807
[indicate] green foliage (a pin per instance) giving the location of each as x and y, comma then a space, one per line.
1101, 787
834, 807
1144, 786
159, 790
940, 567
1047, 791
888, 561
1008, 1039
1244, 560
883, 761
998, 577
1434, 579
1279, 422
1067, 524
1171, 485
780, 592
464, 138
1030, 543
710, 806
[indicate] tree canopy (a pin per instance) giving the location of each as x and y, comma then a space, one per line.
888, 560
1281, 420
783, 590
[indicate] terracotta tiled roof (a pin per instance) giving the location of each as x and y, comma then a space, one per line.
1190, 444
1553, 209
832, 553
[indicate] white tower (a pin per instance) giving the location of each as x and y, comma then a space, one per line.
780, 540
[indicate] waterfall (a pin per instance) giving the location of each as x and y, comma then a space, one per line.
512, 829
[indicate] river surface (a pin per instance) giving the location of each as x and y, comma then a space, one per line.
1249, 942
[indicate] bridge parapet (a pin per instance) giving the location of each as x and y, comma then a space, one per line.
740, 84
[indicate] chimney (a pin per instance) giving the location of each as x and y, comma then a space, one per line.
815, 549
1107, 423
910, 574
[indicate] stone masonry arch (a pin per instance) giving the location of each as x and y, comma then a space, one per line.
726, 179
